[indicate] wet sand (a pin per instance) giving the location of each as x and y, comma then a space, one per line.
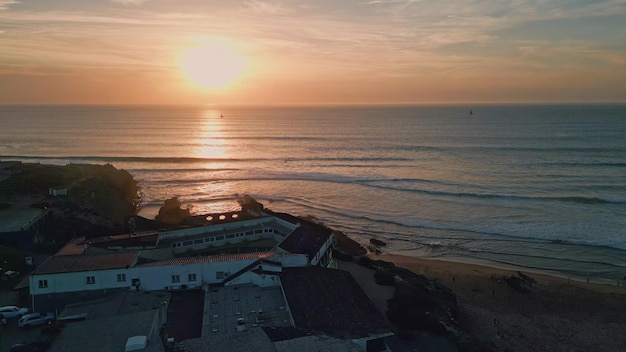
557, 315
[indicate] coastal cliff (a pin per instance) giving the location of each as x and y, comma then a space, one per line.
98, 193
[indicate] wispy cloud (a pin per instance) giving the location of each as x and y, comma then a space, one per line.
384, 40
4, 4
267, 7
130, 2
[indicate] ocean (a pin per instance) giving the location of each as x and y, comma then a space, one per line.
537, 186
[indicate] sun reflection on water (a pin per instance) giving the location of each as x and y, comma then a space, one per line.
211, 142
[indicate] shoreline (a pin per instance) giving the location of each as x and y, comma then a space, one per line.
556, 315
443, 268
510, 267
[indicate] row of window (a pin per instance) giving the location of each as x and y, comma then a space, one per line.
89, 280
190, 278
222, 237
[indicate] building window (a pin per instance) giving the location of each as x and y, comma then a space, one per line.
187, 243
258, 231
191, 277
121, 277
90, 280
175, 278
197, 241
43, 283
230, 236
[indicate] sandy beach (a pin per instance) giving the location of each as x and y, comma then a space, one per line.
557, 315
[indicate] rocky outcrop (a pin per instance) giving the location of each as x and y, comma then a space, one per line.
377, 242
522, 283
97, 199
172, 212
346, 247
419, 303
101, 191
384, 277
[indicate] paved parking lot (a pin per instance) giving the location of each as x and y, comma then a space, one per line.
10, 335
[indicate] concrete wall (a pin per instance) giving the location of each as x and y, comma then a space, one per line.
77, 281
152, 278
160, 277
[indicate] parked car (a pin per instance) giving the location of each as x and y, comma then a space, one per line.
10, 274
13, 311
34, 319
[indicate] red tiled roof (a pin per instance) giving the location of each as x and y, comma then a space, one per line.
210, 259
85, 262
77, 245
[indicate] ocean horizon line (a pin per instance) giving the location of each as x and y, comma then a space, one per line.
324, 105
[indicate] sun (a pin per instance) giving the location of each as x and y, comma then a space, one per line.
212, 65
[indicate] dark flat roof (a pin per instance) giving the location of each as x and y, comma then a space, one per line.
306, 239
85, 262
17, 220
251, 340
330, 301
185, 314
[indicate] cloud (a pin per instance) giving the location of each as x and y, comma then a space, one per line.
267, 8
4, 4
388, 40
130, 2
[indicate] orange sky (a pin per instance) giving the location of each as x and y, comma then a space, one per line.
301, 52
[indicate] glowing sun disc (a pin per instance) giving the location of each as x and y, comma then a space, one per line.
212, 65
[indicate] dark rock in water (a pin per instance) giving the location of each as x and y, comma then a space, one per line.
173, 212
340, 254
377, 242
384, 277
250, 205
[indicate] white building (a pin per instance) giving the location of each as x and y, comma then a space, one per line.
177, 259
312, 298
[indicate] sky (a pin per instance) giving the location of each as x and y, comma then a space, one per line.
311, 52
